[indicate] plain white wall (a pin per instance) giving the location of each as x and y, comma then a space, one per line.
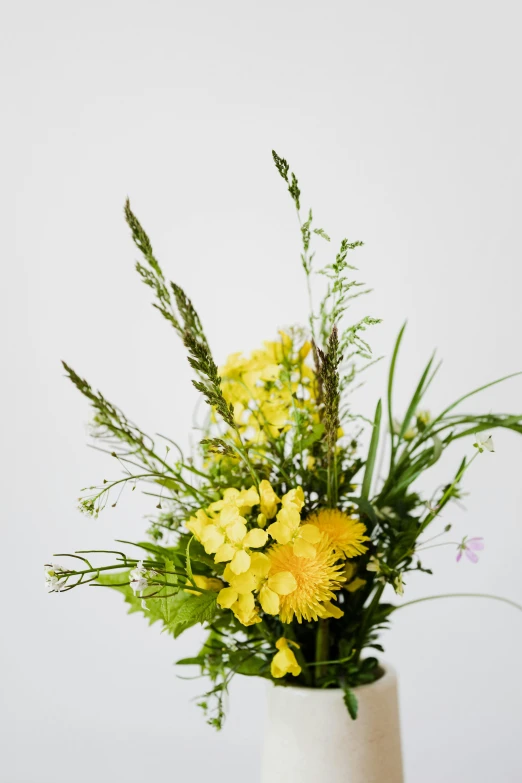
403, 122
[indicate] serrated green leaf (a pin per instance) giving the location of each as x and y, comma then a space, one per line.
197, 609
163, 608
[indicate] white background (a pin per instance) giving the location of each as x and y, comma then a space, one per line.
403, 123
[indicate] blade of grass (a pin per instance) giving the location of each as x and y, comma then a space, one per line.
372, 453
471, 393
417, 397
391, 377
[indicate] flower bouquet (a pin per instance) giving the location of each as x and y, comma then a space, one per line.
280, 533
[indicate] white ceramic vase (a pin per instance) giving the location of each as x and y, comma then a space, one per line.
310, 738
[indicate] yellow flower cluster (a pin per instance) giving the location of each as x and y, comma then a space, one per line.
300, 570
265, 386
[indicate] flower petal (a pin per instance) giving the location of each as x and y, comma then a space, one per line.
227, 597
282, 583
240, 562
236, 531
310, 533
303, 549
280, 532
225, 553
269, 600
255, 538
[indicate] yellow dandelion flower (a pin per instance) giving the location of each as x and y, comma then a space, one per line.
346, 533
317, 579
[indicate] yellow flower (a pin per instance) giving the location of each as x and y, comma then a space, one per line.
288, 526
256, 578
346, 533
284, 661
281, 584
238, 501
356, 584
318, 578
268, 384
268, 498
198, 523
423, 419
206, 583
330, 610
223, 530
245, 609
239, 596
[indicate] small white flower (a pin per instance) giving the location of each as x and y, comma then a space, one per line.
396, 426
374, 564
54, 579
398, 585
484, 444
138, 578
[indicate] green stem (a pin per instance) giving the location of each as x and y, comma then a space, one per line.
460, 595
322, 648
446, 496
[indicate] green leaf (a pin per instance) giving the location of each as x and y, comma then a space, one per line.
350, 699
391, 376
365, 506
437, 449
198, 661
197, 609
471, 393
164, 607
248, 665
372, 453
415, 400
188, 563
313, 437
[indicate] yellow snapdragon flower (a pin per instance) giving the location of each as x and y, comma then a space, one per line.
284, 661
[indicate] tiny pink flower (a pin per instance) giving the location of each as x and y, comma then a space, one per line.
470, 547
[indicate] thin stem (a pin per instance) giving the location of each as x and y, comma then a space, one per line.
460, 595
434, 546
447, 494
